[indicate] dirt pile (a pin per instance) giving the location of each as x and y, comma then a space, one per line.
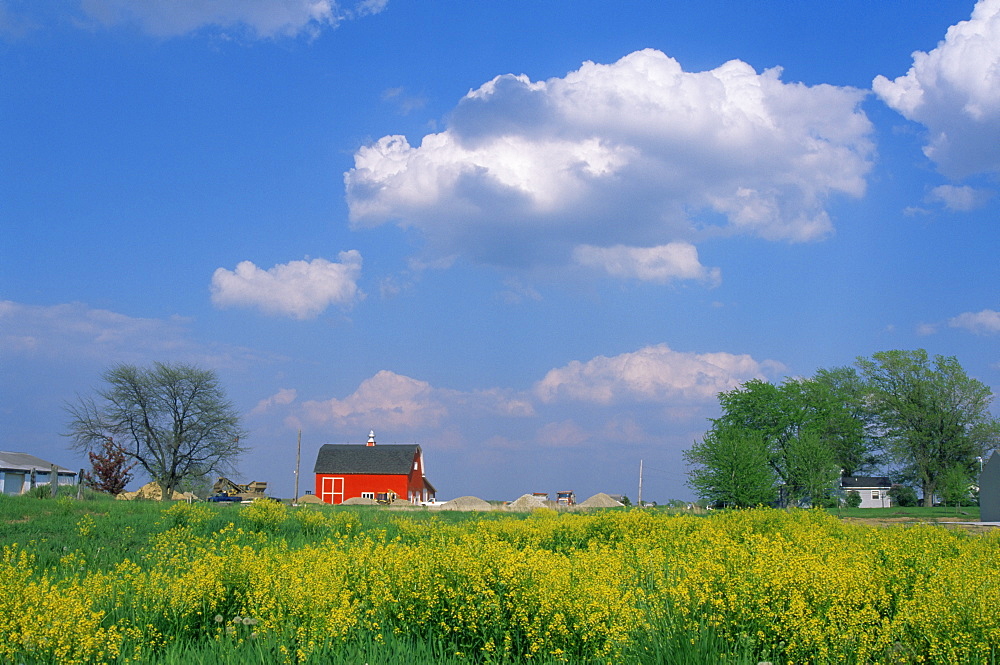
153, 492
310, 498
600, 500
359, 501
527, 503
466, 503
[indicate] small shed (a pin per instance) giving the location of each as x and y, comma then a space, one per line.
874, 490
989, 490
346, 471
17, 469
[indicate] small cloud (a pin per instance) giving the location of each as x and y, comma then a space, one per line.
961, 199
986, 322
255, 18
403, 101
283, 397
300, 289
666, 263
927, 329
517, 292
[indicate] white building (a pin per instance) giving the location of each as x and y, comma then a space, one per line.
16, 473
874, 490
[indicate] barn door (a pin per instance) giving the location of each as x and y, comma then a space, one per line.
331, 490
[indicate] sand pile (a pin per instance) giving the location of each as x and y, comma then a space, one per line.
527, 503
359, 501
310, 498
600, 500
152, 492
466, 503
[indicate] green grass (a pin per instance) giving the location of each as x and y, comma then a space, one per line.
967, 513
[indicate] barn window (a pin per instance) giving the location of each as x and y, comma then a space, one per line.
368, 495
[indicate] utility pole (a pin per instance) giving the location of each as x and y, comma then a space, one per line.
640, 483
298, 454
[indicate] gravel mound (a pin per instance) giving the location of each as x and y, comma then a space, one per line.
310, 498
527, 503
466, 503
600, 500
359, 501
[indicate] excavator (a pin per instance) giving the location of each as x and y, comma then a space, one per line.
385, 498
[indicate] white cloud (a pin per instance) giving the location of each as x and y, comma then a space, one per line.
954, 91
283, 397
961, 199
652, 374
74, 333
637, 153
393, 401
924, 329
261, 18
986, 322
300, 289
75, 330
676, 260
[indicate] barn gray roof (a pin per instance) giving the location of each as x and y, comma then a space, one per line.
26, 462
394, 459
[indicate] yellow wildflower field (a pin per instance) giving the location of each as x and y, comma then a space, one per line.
795, 587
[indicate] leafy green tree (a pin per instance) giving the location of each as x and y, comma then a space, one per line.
732, 468
175, 419
954, 486
853, 499
931, 415
814, 428
903, 496
843, 418
811, 469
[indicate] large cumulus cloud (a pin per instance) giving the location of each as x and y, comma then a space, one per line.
954, 91
633, 155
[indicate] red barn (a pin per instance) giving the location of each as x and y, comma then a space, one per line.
345, 471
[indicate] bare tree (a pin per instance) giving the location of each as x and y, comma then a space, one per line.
173, 419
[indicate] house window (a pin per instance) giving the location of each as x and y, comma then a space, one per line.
368, 495
875, 495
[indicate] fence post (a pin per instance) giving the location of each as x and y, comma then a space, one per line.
54, 480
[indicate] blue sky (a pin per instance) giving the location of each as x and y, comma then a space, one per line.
536, 238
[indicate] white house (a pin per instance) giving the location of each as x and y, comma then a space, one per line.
874, 490
16, 472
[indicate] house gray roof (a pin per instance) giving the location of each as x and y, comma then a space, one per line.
392, 459
26, 462
874, 482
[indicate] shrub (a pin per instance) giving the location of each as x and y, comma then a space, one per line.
853, 499
903, 496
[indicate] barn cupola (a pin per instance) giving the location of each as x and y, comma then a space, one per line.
371, 438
